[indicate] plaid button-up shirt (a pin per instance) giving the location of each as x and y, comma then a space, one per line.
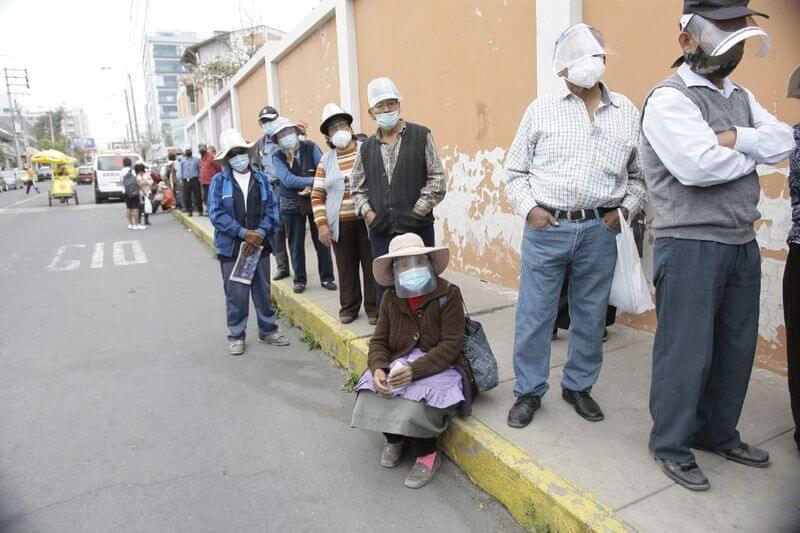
561, 160
429, 196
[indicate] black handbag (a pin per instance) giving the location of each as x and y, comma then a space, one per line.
477, 351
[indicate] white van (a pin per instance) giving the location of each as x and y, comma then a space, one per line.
107, 180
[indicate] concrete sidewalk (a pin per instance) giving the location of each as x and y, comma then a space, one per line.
562, 471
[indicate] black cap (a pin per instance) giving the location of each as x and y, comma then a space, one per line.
268, 112
719, 9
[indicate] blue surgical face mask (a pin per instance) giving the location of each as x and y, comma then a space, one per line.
288, 142
240, 162
389, 120
414, 280
268, 128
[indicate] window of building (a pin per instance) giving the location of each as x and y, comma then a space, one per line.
168, 66
167, 97
169, 111
190, 93
168, 81
165, 50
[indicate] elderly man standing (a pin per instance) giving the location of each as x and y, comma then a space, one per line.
190, 176
573, 162
703, 137
398, 177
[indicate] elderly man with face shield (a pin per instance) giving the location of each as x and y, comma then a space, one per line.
244, 212
573, 163
703, 137
398, 176
335, 216
416, 380
295, 164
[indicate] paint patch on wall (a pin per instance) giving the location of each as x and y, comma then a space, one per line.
475, 220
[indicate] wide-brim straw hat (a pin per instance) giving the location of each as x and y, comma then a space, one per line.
793, 91
229, 139
408, 245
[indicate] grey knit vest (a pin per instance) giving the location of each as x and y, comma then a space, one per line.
721, 213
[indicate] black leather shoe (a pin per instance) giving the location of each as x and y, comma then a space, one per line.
298, 288
686, 475
331, 286
554, 336
521, 413
281, 274
584, 405
744, 454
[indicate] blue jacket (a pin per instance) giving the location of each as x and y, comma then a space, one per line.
226, 211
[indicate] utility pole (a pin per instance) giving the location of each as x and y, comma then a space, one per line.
13, 118
52, 133
128, 110
133, 105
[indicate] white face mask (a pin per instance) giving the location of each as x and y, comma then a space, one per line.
586, 72
341, 138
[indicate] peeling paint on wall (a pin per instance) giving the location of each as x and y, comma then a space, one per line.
475, 220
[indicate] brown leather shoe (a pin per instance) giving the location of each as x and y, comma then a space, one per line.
373, 320
346, 319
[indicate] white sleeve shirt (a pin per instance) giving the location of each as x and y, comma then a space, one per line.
689, 148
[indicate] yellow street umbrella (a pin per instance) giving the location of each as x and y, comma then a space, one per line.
52, 157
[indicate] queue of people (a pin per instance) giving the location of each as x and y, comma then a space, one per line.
583, 160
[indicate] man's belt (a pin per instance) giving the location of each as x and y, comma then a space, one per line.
580, 214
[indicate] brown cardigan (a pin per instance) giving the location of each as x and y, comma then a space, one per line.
439, 333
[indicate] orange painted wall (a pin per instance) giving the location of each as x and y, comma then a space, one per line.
467, 70
308, 78
641, 55
252, 97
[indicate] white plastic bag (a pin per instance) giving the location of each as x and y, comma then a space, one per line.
629, 291
148, 206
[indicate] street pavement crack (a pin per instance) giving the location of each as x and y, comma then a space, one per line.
5, 523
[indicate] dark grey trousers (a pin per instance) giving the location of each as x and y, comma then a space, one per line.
707, 301
237, 299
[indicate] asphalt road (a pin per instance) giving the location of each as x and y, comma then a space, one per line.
121, 410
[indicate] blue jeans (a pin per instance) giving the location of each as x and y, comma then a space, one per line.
589, 249
237, 299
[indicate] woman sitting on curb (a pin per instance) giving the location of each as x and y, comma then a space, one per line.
412, 387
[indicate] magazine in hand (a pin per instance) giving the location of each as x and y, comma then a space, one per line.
245, 267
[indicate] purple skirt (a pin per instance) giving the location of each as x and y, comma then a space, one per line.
440, 390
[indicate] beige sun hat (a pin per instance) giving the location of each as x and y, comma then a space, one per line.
228, 140
794, 84
331, 111
407, 245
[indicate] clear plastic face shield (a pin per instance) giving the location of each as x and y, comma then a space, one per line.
577, 43
413, 276
718, 37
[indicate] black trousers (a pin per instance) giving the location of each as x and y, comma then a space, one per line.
205, 187
380, 246
192, 195
296, 233
791, 314
280, 253
423, 446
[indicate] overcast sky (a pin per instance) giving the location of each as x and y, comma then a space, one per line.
64, 44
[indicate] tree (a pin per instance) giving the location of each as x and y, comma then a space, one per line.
240, 46
148, 141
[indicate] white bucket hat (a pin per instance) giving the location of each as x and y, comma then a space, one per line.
228, 140
381, 89
282, 123
331, 111
406, 245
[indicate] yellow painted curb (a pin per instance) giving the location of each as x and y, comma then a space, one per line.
537, 497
